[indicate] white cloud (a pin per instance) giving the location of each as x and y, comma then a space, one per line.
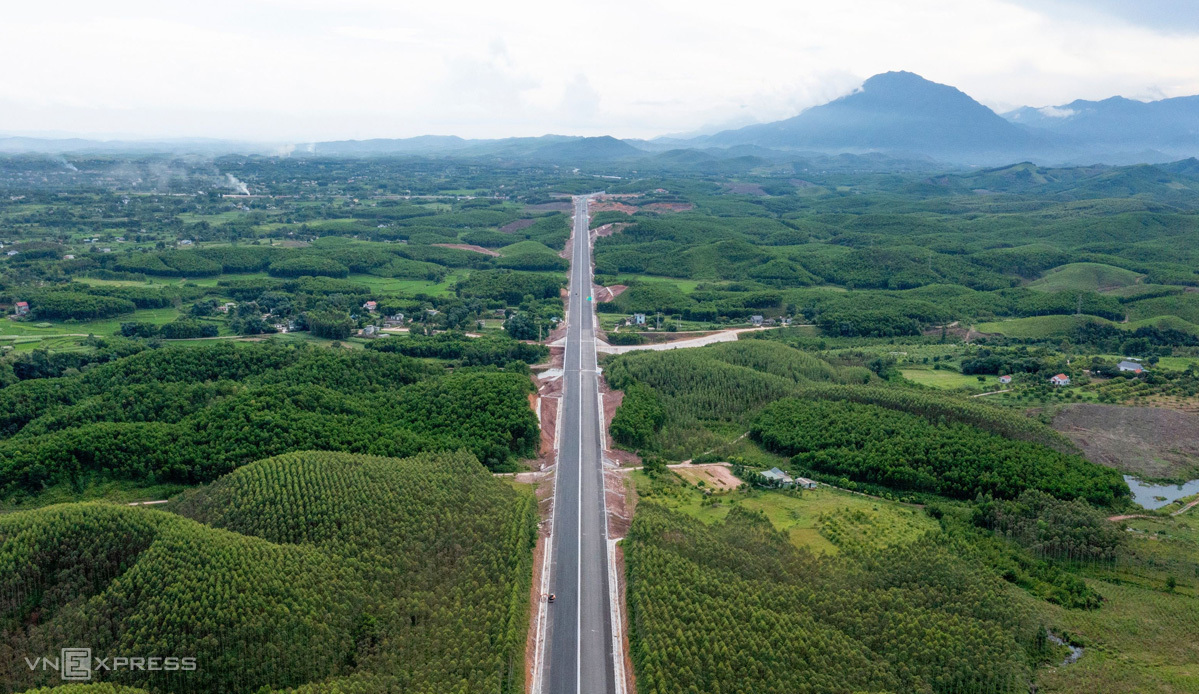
1055, 112
316, 69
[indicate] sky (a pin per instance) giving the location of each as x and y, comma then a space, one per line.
307, 70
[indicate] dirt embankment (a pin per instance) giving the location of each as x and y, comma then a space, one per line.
1152, 442
469, 247
612, 206
609, 229
603, 294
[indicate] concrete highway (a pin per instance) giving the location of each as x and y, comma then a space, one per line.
578, 656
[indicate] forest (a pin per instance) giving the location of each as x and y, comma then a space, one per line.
318, 571
189, 414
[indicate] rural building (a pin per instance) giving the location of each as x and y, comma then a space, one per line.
12, 253
370, 331
1133, 366
1005, 379
1060, 380
68, 257
756, 320
185, 242
638, 319
805, 483
371, 306
227, 307
779, 477
22, 308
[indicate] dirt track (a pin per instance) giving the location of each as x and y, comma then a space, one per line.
709, 339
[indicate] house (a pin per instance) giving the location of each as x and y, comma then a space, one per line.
68, 257
22, 308
638, 319
1005, 380
768, 322
1060, 380
1129, 365
106, 250
185, 242
778, 477
227, 307
805, 483
371, 306
369, 331
12, 253
756, 320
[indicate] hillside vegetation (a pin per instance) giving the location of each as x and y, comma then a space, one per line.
327, 571
192, 414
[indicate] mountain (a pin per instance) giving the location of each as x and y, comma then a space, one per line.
895, 112
1169, 126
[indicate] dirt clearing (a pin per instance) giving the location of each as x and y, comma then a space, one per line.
714, 476
1149, 442
469, 247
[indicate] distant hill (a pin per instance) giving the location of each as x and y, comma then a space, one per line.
1170, 126
896, 112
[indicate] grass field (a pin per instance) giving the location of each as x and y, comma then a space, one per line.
1145, 637
949, 380
103, 328
1090, 277
1036, 327
686, 286
819, 519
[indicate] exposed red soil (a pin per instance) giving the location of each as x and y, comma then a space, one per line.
621, 503
550, 393
669, 207
517, 225
603, 294
609, 229
1148, 441
713, 476
607, 206
469, 247
545, 507
612, 399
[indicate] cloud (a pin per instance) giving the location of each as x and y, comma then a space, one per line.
299, 70
1055, 112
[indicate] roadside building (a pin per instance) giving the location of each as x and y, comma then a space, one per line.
805, 483
777, 476
756, 320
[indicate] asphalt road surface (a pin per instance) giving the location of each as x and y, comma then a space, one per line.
578, 655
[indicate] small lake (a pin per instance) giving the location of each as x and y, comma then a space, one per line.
1143, 493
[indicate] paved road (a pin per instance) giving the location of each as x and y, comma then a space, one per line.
578, 655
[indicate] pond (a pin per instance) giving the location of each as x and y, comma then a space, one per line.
1153, 496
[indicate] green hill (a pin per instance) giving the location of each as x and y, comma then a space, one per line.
348, 572
1090, 277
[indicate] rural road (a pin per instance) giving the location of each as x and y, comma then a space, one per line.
579, 649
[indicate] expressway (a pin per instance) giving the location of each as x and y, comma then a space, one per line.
578, 657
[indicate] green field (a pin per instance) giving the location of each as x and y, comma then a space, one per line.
1088, 277
1038, 327
104, 327
948, 380
684, 285
810, 517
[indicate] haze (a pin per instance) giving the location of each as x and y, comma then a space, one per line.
271, 70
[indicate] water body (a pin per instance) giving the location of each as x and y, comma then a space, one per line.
1146, 494
1075, 651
